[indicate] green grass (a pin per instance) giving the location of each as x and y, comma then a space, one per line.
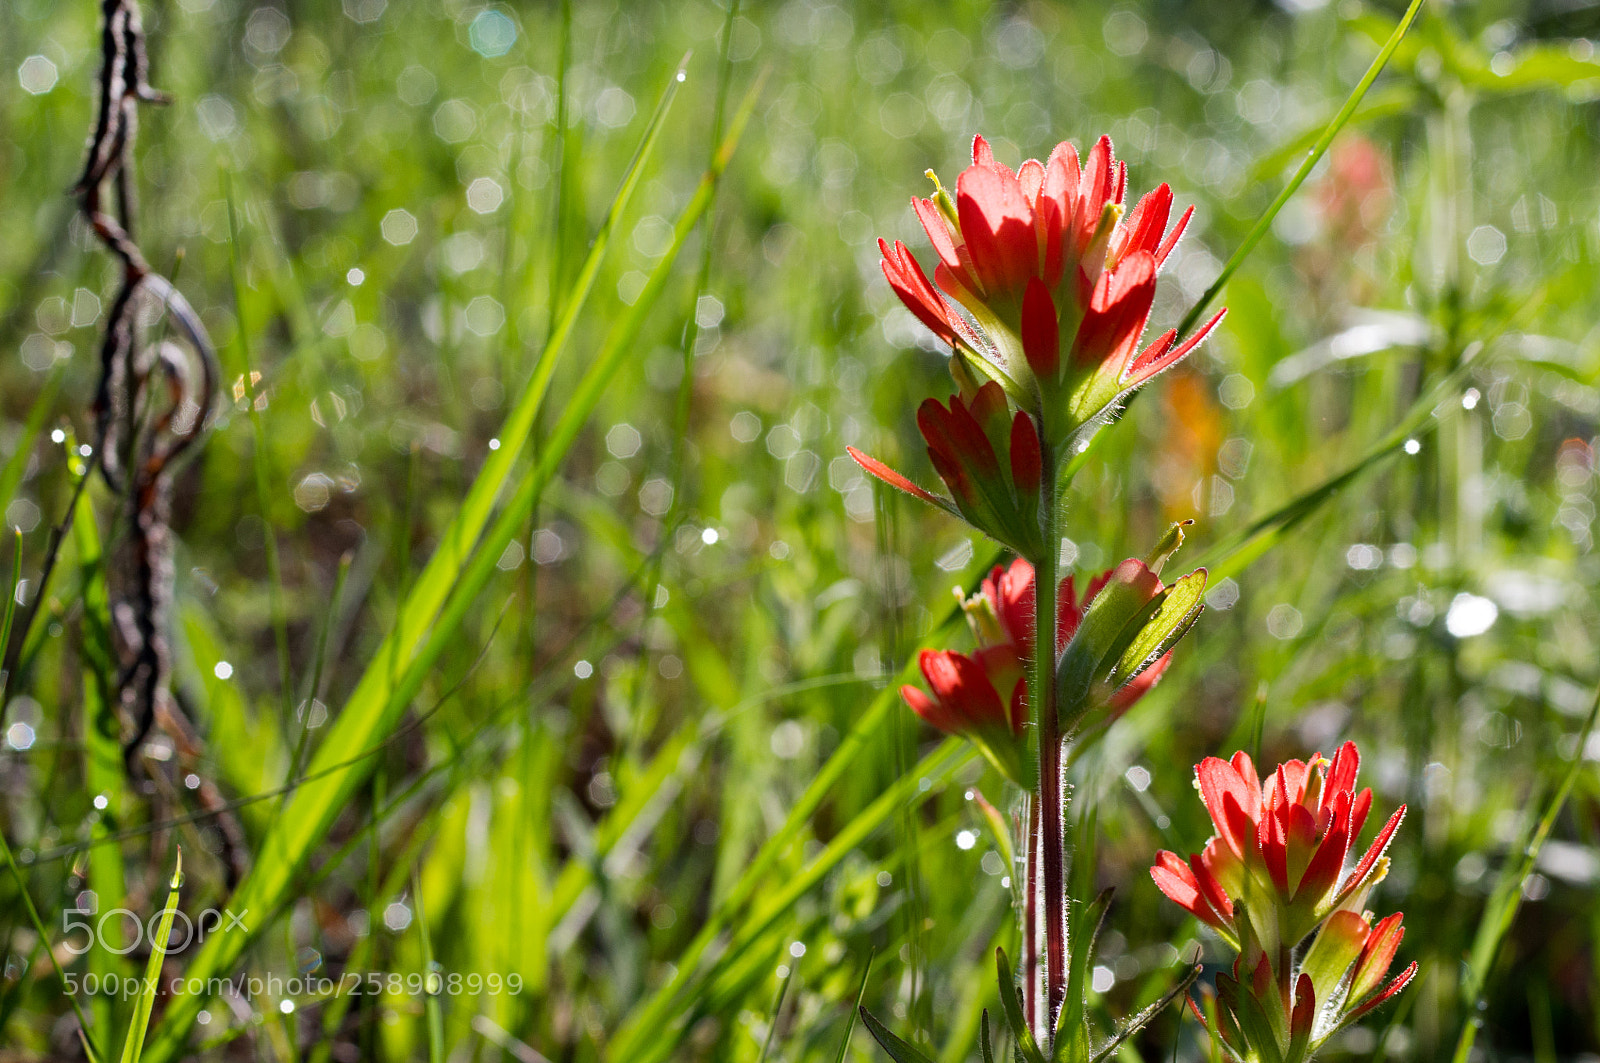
606, 697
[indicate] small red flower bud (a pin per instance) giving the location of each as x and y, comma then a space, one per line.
989, 458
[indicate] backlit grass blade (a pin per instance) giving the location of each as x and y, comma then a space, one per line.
850, 1021
1144, 1017
1318, 149
17, 464
11, 602
1235, 553
777, 1011
1501, 911
44, 935
133, 1046
430, 988
898, 1048
261, 459
103, 769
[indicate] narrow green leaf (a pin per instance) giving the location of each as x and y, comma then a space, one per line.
450, 577
1180, 608
431, 1007
777, 1011
16, 465
1143, 1018
44, 935
1011, 1008
1235, 553
133, 1046
642, 1038
1071, 1041
850, 1023
11, 604
900, 1050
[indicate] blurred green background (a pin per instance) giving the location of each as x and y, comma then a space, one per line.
692, 623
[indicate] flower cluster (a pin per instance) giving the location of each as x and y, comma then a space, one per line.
1042, 292
1277, 870
1043, 289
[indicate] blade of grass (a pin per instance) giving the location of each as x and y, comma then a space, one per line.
1235, 553
1501, 911
314, 687
563, 161
850, 1021
44, 935
133, 1046
1306, 166
17, 464
11, 602
430, 1002
651, 1014
777, 1011
103, 767
651, 1032
262, 460
1143, 1018
677, 462
898, 1048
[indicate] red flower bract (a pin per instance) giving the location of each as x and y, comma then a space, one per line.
984, 696
988, 457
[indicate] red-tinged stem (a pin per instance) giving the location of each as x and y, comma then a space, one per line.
1042, 708
1030, 922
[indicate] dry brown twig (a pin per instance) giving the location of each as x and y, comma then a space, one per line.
152, 404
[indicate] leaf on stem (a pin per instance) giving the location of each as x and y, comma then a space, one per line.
900, 1050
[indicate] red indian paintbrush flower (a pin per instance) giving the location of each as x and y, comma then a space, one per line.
1274, 872
984, 697
1282, 848
1055, 282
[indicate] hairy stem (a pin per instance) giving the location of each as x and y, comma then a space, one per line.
1042, 708
1030, 921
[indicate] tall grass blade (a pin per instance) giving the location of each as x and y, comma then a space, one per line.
262, 459
430, 985
777, 1012
643, 1036
899, 1049
44, 935
16, 465
1501, 911
133, 1046
1142, 1019
1235, 553
12, 588
850, 1021
1263, 223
